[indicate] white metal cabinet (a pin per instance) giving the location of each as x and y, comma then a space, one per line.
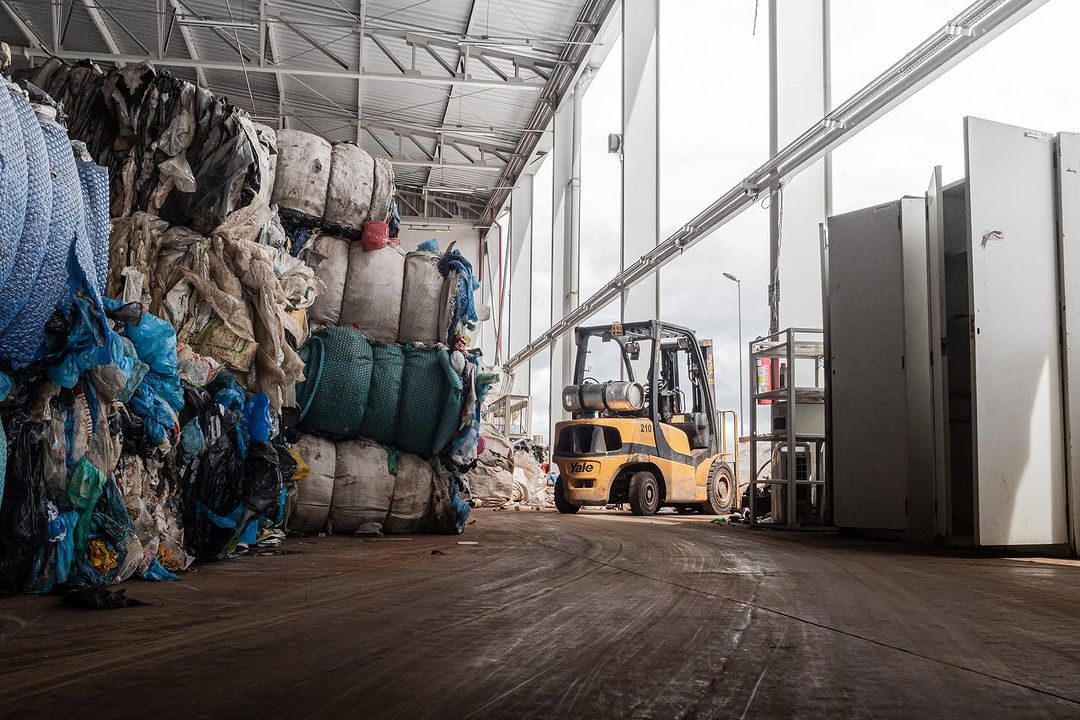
1018, 447
1067, 168
882, 442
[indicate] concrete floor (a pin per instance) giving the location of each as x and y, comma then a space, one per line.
594, 616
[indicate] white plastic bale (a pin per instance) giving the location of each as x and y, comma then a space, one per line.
363, 486
422, 300
412, 495
492, 484
303, 172
310, 509
373, 291
332, 270
383, 191
352, 177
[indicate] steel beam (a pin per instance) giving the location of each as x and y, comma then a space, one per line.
30, 35
409, 162
799, 95
313, 42
278, 70
469, 25
958, 39
96, 17
360, 80
591, 21
640, 152
189, 44
562, 261
519, 327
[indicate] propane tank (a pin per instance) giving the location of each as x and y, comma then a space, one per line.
614, 396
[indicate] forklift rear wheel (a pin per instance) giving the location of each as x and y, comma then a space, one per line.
644, 493
561, 503
720, 492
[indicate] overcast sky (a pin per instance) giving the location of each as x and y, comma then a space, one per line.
714, 130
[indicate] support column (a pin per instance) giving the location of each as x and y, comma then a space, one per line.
799, 96
519, 332
564, 253
641, 143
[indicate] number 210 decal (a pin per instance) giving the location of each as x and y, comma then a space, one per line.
645, 427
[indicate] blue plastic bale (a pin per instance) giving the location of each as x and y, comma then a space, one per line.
19, 285
95, 258
20, 343
13, 183
26, 260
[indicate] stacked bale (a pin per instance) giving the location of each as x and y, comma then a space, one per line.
357, 486
332, 189
374, 292
378, 373
415, 404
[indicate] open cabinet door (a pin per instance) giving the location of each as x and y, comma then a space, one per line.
1068, 205
1016, 362
935, 269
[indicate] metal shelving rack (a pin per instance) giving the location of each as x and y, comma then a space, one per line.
510, 415
791, 435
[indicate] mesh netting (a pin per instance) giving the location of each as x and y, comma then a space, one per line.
12, 183
338, 377
94, 253
380, 416
21, 341
430, 401
35, 229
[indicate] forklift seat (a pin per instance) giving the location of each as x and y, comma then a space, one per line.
696, 427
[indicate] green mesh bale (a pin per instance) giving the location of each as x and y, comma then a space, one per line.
430, 401
381, 416
333, 397
450, 417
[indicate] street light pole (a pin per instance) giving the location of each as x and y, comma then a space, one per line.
742, 378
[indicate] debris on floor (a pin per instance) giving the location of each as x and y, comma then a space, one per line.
99, 598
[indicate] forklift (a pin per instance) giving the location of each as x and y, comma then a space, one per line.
654, 441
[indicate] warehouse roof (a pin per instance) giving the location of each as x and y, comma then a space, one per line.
456, 92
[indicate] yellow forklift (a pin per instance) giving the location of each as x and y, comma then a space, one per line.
652, 440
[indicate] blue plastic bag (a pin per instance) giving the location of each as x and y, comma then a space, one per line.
156, 573
231, 397
257, 417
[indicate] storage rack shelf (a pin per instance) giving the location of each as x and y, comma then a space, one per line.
796, 435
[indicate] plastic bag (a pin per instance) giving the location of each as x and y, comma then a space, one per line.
214, 494
376, 235
155, 342
23, 509
257, 417
192, 441
112, 551
262, 479
84, 489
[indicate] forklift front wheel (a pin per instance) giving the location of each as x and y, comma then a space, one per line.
721, 490
644, 493
563, 505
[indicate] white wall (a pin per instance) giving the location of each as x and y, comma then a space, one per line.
467, 239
